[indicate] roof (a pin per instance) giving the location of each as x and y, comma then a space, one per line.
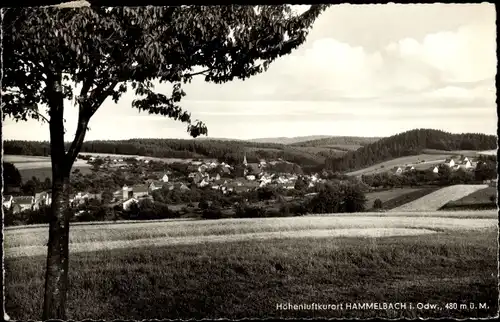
448, 160
255, 167
23, 200
139, 188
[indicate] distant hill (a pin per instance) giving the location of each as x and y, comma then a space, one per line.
409, 143
231, 151
290, 140
339, 142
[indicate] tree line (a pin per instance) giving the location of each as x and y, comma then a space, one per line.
409, 143
224, 151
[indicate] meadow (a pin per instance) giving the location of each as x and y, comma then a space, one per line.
437, 199
429, 161
478, 199
386, 195
238, 278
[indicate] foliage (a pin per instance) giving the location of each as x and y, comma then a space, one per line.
338, 198
212, 212
377, 204
11, 175
338, 140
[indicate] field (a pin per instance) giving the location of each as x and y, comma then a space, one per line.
386, 195
478, 199
429, 161
236, 271
439, 198
467, 153
38, 166
166, 160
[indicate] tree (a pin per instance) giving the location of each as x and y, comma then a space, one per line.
45, 68
164, 44
301, 184
377, 204
11, 175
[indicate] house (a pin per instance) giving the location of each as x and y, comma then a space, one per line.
435, 169
135, 191
255, 167
127, 203
155, 185
164, 178
217, 177
262, 163
463, 159
7, 201
181, 186
449, 162
397, 170
250, 177
42, 199
409, 168
22, 203
203, 183
467, 164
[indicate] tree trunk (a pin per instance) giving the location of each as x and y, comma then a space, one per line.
56, 277
56, 274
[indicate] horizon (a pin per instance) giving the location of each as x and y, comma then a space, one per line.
263, 138
426, 73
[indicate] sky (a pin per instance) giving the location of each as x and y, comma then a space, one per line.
365, 70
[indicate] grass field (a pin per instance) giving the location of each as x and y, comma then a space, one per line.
42, 173
166, 160
478, 199
242, 278
430, 160
407, 197
437, 199
32, 241
386, 195
467, 153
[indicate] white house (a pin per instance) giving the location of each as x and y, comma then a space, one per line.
164, 178
203, 183
7, 201
449, 162
467, 164
435, 169
397, 170
250, 177
126, 205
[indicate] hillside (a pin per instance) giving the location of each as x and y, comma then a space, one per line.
228, 151
409, 143
339, 142
290, 140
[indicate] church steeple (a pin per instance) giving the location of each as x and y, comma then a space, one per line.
245, 159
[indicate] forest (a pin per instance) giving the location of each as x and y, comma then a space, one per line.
409, 143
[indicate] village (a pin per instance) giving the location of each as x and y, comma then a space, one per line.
454, 164
202, 174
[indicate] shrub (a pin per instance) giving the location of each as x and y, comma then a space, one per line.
338, 198
377, 204
212, 212
203, 205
